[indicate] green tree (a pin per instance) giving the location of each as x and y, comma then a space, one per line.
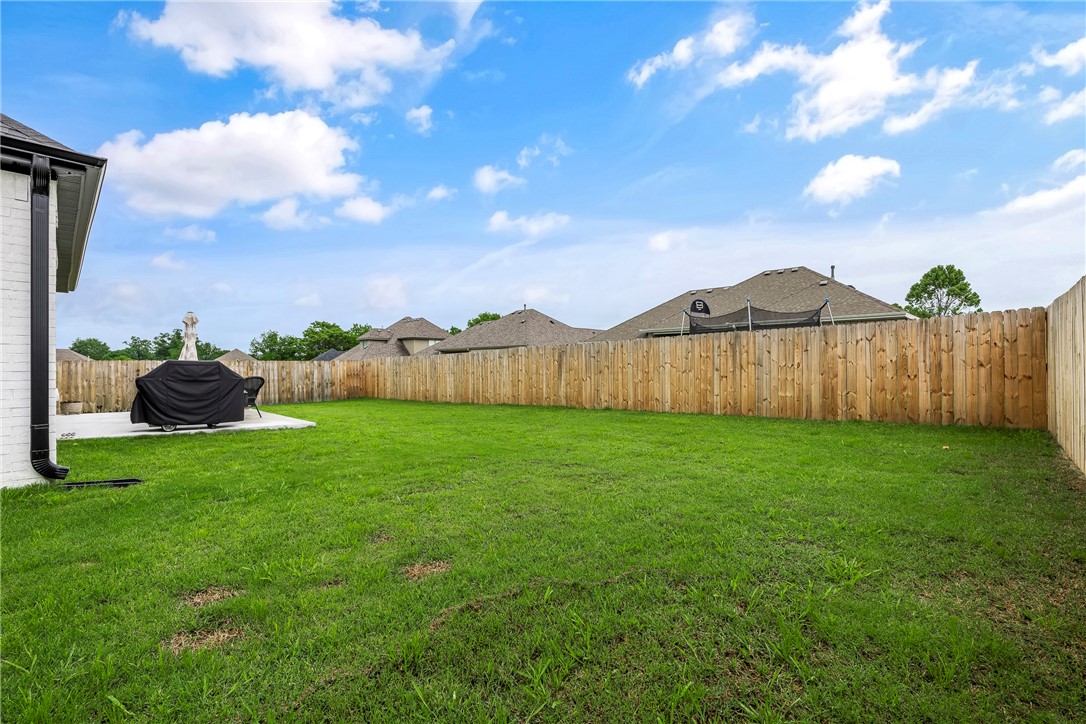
483, 317
357, 330
454, 330
91, 347
273, 346
320, 337
167, 345
207, 350
138, 348
942, 291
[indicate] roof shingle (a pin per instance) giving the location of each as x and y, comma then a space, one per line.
792, 289
522, 328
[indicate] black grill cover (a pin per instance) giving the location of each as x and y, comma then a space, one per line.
189, 392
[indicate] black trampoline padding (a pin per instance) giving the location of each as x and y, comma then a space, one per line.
184, 392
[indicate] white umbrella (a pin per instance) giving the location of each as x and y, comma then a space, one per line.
189, 350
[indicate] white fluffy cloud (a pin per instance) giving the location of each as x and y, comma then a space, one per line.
167, 261
248, 159
1070, 161
526, 155
667, 240
849, 178
1062, 109
854, 83
721, 39
1068, 196
365, 209
1070, 59
530, 226
285, 215
552, 148
950, 85
491, 180
192, 232
421, 119
302, 46
440, 193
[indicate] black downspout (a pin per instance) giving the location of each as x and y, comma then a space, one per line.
40, 175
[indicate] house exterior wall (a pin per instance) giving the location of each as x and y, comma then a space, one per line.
15, 468
417, 345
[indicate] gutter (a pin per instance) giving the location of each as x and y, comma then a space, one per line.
40, 176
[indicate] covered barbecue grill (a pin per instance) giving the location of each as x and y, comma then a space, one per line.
189, 393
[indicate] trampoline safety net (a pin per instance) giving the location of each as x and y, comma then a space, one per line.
755, 318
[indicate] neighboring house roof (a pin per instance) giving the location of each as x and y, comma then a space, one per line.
375, 349
236, 355
78, 186
522, 328
385, 341
328, 355
417, 328
66, 355
792, 289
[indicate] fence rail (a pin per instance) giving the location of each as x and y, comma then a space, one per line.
984, 369
1067, 372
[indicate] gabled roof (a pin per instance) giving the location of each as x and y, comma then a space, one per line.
792, 289
78, 186
385, 341
67, 355
374, 349
328, 355
522, 328
236, 355
406, 328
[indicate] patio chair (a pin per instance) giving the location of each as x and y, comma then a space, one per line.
252, 386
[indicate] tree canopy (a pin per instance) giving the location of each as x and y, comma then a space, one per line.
165, 345
483, 317
942, 291
90, 347
317, 338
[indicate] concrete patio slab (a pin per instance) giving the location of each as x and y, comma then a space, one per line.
117, 424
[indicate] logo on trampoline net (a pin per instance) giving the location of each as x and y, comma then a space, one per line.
698, 306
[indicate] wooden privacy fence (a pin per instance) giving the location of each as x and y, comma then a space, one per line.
1067, 372
110, 385
985, 369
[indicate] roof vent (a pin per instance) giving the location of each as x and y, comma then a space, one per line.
780, 271
693, 292
795, 268
767, 273
708, 291
823, 283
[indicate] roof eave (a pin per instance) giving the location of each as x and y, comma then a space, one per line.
93, 169
88, 207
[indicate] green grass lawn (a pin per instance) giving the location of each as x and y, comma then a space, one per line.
580, 565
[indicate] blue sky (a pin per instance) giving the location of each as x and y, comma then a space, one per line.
274, 164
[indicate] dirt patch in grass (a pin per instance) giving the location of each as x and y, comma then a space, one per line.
211, 594
334, 583
381, 538
203, 639
422, 570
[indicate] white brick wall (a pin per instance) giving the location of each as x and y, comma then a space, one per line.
15, 466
